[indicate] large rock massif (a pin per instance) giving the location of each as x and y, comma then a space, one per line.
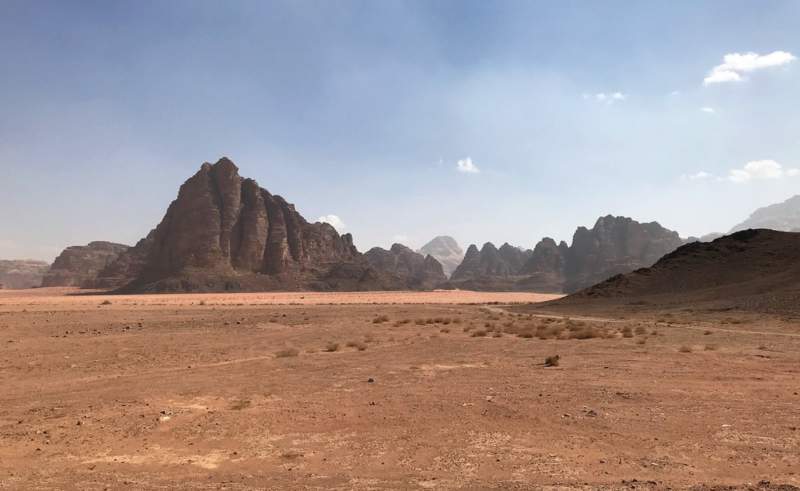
407, 268
22, 273
446, 250
780, 216
80, 265
225, 233
614, 245
755, 269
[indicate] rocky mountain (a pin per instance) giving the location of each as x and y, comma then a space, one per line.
409, 269
224, 232
22, 273
755, 269
80, 265
783, 216
614, 245
446, 250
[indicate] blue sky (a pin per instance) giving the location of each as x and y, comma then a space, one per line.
363, 110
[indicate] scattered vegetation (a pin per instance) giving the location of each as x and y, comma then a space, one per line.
331, 347
106, 302
627, 332
357, 345
287, 353
685, 349
480, 333
711, 347
380, 319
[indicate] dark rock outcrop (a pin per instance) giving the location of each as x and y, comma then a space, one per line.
783, 216
224, 232
80, 265
22, 273
614, 245
750, 270
407, 268
445, 250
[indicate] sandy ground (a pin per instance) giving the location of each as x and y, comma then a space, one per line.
380, 390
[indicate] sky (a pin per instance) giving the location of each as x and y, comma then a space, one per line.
498, 121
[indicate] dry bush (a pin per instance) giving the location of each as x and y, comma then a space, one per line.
642, 341
497, 334
380, 319
627, 332
707, 333
456, 320
429, 321
654, 332
468, 328
420, 322
105, 302
641, 330
331, 347
547, 332
711, 347
685, 349
287, 353
438, 320
444, 330
480, 333
552, 361
240, 404
356, 344
585, 333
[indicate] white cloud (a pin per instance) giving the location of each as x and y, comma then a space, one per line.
697, 176
609, 98
709, 110
400, 239
734, 65
761, 169
468, 166
334, 220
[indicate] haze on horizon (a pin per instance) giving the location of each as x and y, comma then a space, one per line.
486, 121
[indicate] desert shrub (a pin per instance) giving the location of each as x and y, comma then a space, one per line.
711, 347
642, 341
438, 320
456, 320
685, 349
467, 328
105, 302
707, 333
547, 332
331, 347
480, 333
420, 322
552, 361
627, 332
497, 334
380, 319
357, 345
286, 353
240, 404
429, 321
641, 330
654, 332
444, 330
584, 333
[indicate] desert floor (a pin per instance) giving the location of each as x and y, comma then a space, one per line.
432, 390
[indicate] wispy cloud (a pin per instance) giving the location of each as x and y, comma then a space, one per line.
709, 110
761, 169
467, 166
697, 176
735, 65
606, 98
334, 221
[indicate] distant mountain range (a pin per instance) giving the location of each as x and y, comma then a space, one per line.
614, 245
780, 216
22, 273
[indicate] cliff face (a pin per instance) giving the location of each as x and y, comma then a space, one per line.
409, 268
22, 273
783, 216
80, 265
614, 245
224, 232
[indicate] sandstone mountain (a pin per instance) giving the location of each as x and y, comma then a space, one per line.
224, 232
22, 273
408, 269
446, 250
783, 216
614, 245
80, 265
751, 270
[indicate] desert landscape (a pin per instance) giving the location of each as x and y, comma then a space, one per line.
390, 390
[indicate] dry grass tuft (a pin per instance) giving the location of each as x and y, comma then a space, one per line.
552, 361
380, 319
331, 347
357, 345
287, 353
685, 349
480, 333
